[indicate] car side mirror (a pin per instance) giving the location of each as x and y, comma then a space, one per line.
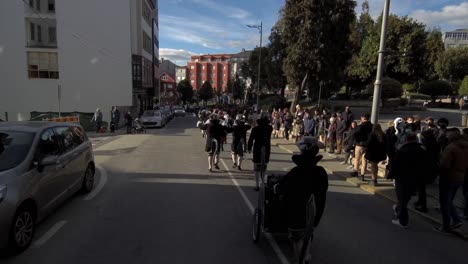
48, 161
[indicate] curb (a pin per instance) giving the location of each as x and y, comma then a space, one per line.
373, 191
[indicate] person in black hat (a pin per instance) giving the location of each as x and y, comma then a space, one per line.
305, 189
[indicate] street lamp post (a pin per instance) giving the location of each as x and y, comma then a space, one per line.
260, 28
380, 65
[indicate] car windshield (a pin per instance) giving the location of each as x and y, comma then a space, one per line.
148, 113
14, 146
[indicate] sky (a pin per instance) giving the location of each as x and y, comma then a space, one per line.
191, 27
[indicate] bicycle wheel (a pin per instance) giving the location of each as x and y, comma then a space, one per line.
256, 224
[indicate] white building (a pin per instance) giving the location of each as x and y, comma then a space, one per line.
99, 52
456, 38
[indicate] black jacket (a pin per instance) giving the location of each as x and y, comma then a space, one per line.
260, 137
376, 150
214, 130
349, 142
391, 140
340, 128
297, 186
410, 165
362, 134
348, 117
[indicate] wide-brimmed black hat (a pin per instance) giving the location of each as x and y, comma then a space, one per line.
309, 148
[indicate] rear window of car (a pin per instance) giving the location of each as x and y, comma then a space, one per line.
14, 147
148, 113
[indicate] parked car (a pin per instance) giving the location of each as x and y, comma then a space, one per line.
152, 118
41, 165
179, 111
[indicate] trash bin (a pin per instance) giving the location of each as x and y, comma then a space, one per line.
464, 122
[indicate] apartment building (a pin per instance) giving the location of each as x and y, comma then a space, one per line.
212, 68
181, 73
71, 56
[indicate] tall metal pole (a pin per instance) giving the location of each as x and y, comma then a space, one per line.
59, 95
380, 65
259, 67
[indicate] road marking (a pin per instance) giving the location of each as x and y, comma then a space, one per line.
98, 188
249, 204
49, 234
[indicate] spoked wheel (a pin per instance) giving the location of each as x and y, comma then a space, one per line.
256, 224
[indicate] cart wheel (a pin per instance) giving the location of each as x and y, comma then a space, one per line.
256, 224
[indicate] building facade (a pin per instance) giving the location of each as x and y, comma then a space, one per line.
70, 56
168, 67
181, 73
237, 61
169, 93
457, 38
211, 68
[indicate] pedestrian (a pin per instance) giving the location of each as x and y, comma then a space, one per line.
260, 144
349, 144
391, 140
299, 128
214, 134
453, 169
117, 118
309, 124
348, 116
112, 123
321, 128
288, 122
375, 152
239, 142
276, 124
442, 139
461, 103
304, 189
331, 136
128, 122
97, 118
361, 137
340, 130
317, 119
408, 167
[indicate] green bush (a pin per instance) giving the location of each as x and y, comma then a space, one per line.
409, 87
436, 88
391, 88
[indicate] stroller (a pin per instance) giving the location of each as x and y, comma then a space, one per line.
137, 128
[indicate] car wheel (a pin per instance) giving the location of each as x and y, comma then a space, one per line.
88, 180
22, 229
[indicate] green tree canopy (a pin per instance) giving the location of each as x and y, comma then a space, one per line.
464, 86
453, 64
435, 49
408, 87
391, 88
436, 88
186, 90
206, 91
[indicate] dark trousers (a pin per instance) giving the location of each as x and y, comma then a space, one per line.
98, 126
447, 191
422, 197
403, 192
465, 193
286, 132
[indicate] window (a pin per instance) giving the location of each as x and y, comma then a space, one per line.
15, 148
32, 31
48, 144
78, 135
192, 81
192, 67
51, 6
203, 67
39, 33
214, 67
43, 65
66, 137
52, 34
31, 3
146, 13
38, 5
147, 43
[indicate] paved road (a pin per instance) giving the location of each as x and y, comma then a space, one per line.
160, 205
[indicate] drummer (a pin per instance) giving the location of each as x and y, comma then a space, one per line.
304, 187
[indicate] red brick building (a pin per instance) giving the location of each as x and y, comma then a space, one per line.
212, 68
169, 93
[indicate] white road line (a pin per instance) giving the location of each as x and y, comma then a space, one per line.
49, 234
98, 188
249, 204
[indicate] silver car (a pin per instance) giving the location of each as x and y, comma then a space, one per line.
41, 165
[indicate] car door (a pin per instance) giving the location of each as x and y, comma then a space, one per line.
69, 159
83, 152
48, 177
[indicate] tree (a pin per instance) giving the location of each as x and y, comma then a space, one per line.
206, 92
453, 64
391, 88
277, 54
186, 90
238, 88
434, 50
464, 86
408, 87
435, 88
316, 34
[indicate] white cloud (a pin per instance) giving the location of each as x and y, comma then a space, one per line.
175, 54
452, 15
228, 11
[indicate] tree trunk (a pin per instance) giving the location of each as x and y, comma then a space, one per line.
297, 96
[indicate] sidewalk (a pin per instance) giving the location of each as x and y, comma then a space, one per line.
385, 187
119, 132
